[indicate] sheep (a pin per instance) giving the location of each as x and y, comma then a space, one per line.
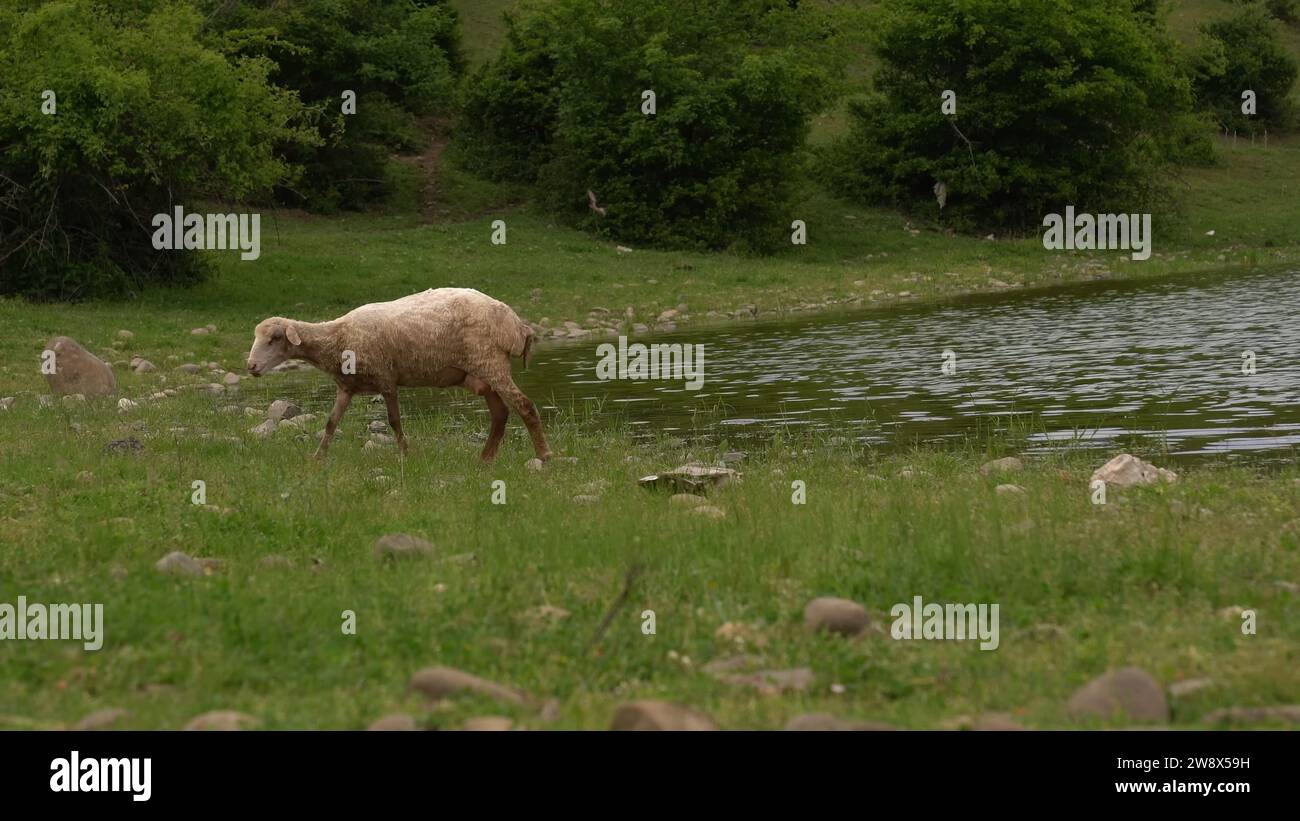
442, 337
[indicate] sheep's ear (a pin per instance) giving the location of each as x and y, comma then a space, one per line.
291, 332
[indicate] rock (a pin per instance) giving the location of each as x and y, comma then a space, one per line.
840, 616
708, 512
252, 412
401, 546
189, 367
265, 429
1286, 714
383, 439
823, 722
1183, 689
7, 402
222, 720
544, 615
443, 682
1126, 470
534, 464
128, 445
125, 405
124, 334
989, 722
1128, 690
668, 315
74, 398
213, 388
659, 715
396, 721
487, 724
200, 332
732, 664
691, 478
586, 499
178, 563
107, 719
733, 457
1010, 490
76, 370
774, 682
1008, 464
282, 409
687, 500
377, 427
230, 379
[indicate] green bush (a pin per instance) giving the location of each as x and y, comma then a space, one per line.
400, 57
1285, 10
1058, 102
735, 87
147, 118
1239, 53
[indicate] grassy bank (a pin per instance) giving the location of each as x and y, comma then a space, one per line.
1143, 580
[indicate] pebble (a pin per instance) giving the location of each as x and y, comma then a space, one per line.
106, 719
1129, 690
442, 682
659, 715
180, 564
401, 546
222, 720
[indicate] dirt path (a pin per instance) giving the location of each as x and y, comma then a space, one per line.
429, 162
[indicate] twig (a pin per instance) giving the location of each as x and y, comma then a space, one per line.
628, 581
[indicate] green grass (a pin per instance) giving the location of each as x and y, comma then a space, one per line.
1138, 581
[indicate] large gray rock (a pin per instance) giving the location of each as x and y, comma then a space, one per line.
1128, 691
78, 371
282, 409
444, 682
659, 715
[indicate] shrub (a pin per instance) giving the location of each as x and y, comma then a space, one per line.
401, 58
735, 86
1239, 53
1058, 103
146, 118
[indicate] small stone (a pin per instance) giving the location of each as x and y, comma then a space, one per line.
377, 427
7, 402
443, 682
487, 724
401, 546
179, 563
124, 334
825, 722
199, 332
1010, 490
774, 682
1286, 714
188, 367
222, 720
586, 499
394, 722
230, 379
1129, 690
659, 715
125, 405
732, 664
264, 430
107, 719
534, 464
282, 409
839, 616
1008, 464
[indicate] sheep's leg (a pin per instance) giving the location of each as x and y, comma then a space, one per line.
522, 405
499, 414
341, 403
395, 420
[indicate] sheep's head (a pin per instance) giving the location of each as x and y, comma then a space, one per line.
274, 341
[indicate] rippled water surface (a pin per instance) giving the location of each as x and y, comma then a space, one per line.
1084, 365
